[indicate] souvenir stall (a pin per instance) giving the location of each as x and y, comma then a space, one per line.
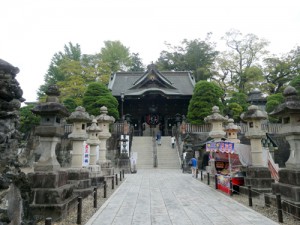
227, 165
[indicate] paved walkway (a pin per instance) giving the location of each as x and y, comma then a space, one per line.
157, 196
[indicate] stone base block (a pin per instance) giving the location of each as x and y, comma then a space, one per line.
255, 191
53, 195
259, 182
48, 179
81, 184
288, 176
56, 211
289, 192
78, 174
97, 181
108, 171
258, 172
84, 192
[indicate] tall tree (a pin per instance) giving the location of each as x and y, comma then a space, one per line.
195, 55
116, 55
239, 66
279, 71
206, 95
137, 64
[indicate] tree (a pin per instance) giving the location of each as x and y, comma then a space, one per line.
239, 67
279, 72
195, 55
98, 95
116, 55
206, 95
272, 102
235, 105
137, 64
54, 73
28, 120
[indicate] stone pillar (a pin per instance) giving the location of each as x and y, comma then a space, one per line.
289, 178
217, 132
79, 118
258, 175
93, 140
253, 117
50, 130
231, 130
48, 182
103, 122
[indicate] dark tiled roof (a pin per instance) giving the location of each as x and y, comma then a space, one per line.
182, 83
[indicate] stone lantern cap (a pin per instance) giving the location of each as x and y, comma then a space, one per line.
215, 116
51, 106
8, 68
291, 104
93, 128
79, 115
232, 126
103, 117
254, 113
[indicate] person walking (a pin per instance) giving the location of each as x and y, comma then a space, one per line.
194, 166
158, 138
173, 141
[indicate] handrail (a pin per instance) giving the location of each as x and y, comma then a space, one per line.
154, 149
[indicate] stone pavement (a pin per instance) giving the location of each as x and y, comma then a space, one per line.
157, 196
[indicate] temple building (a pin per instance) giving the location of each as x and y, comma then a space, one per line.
152, 99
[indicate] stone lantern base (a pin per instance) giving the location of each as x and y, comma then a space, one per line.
106, 168
54, 196
289, 189
260, 180
80, 178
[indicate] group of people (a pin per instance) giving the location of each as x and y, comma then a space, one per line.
158, 140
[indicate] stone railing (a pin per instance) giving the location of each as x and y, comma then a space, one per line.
272, 128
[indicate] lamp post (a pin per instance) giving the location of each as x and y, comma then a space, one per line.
122, 105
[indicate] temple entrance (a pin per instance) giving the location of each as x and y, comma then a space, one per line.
153, 100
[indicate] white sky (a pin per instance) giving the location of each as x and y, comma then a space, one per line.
32, 31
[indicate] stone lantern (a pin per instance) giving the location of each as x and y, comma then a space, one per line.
231, 130
258, 175
217, 132
50, 129
289, 178
103, 122
254, 117
93, 140
216, 120
79, 118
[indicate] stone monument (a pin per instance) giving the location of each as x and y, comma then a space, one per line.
231, 130
104, 121
289, 178
258, 175
217, 132
53, 193
78, 174
94, 142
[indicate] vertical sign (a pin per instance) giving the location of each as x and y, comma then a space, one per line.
86, 154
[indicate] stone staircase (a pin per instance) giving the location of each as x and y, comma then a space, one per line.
167, 157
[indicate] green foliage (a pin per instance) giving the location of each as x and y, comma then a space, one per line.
196, 56
234, 110
272, 102
98, 95
116, 55
137, 64
296, 83
70, 104
206, 95
28, 120
280, 71
238, 66
239, 98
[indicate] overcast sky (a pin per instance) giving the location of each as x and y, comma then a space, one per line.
32, 31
